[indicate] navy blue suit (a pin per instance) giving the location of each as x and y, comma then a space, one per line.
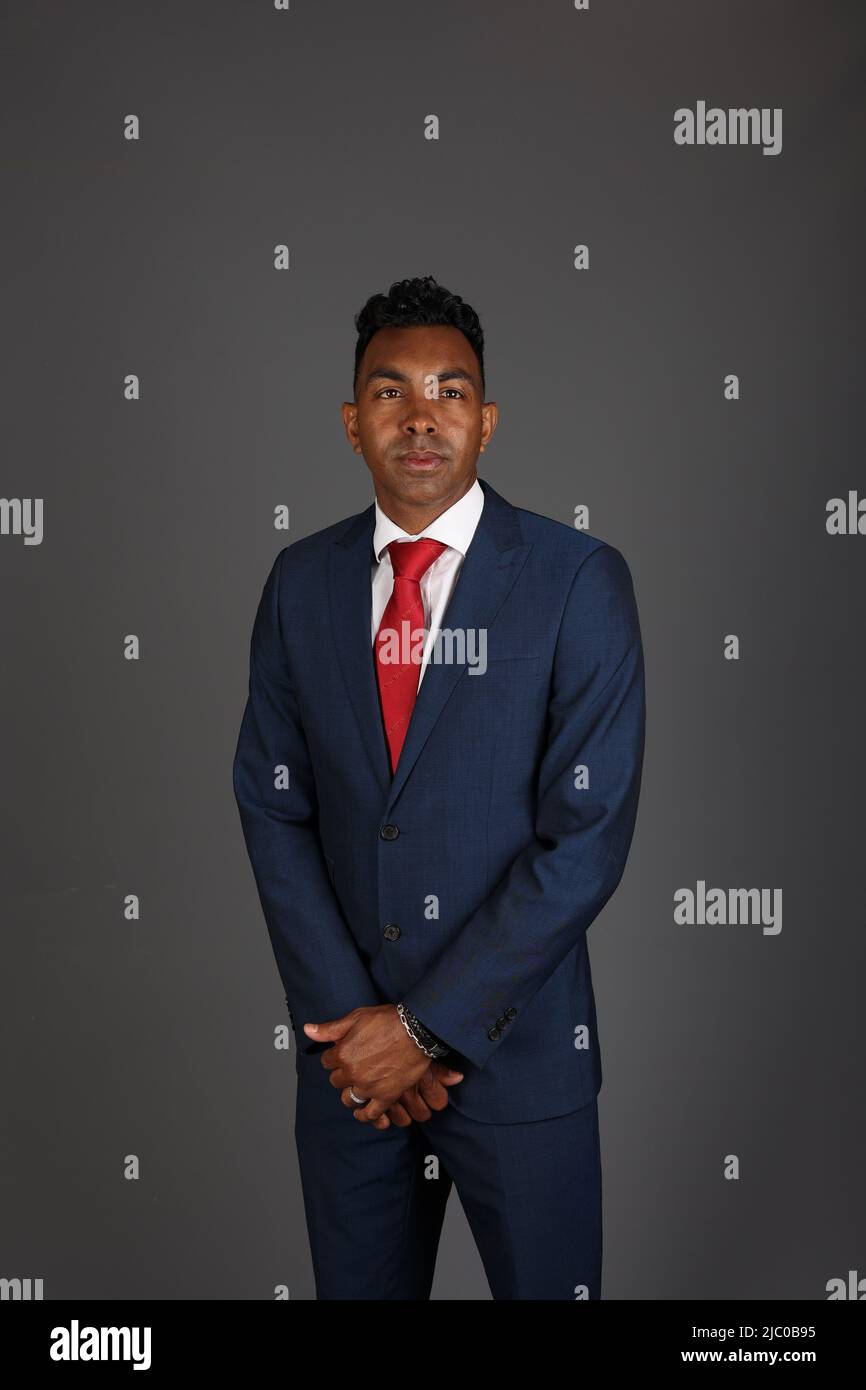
465, 884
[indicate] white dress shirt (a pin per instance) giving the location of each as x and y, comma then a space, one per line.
455, 529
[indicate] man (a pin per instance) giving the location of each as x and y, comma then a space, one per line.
433, 825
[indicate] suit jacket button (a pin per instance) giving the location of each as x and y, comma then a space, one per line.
389, 832
502, 1022
511, 1013
493, 1034
391, 932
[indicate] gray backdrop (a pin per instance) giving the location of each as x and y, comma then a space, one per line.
156, 257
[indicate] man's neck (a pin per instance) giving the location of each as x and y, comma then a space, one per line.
414, 518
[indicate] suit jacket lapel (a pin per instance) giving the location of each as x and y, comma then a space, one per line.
495, 557
350, 600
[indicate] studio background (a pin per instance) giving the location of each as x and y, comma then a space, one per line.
155, 257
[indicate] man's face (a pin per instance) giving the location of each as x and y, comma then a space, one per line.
419, 419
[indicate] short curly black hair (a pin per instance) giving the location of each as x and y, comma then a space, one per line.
409, 303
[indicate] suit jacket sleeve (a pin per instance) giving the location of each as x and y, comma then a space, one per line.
559, 883
322, 972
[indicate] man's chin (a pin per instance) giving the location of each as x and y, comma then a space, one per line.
409, 486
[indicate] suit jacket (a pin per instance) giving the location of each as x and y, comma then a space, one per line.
465, 884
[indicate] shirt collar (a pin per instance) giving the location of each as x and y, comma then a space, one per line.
455, 527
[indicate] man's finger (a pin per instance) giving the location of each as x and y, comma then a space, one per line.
449, 1077
433, 1082
371, 1111
398, 1115
330, 1058
381, 1123
332, 1030
346, 1098
433, 1092
414, 1103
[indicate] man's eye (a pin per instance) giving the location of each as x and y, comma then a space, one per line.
444, 392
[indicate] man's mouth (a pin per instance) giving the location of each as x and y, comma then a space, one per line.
420, 459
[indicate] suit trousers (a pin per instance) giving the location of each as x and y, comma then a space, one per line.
375, 1199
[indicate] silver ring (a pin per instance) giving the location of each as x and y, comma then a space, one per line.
359, 1100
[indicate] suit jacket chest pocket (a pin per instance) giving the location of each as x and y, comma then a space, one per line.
503, 674
503, 697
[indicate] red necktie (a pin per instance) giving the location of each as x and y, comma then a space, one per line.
398, 679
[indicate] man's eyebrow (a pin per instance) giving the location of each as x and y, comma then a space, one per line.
394, 374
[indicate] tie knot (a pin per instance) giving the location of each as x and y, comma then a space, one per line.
411, 559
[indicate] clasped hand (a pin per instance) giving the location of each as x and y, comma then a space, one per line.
373, 1055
